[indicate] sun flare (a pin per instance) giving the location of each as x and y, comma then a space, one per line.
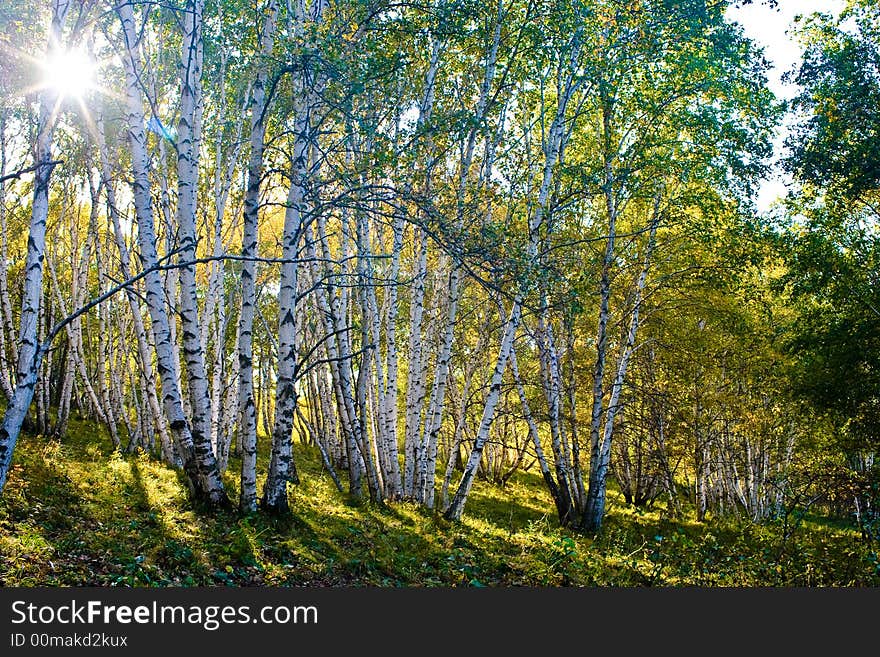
69, 72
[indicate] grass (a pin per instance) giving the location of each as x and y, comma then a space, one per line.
77, 513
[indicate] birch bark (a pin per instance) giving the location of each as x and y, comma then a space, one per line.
144, 351
434, 416
562, 505
198, 459
281, 465
29, 354
8, 352
415, 388
601, 451
247, 426
569, 84
188, 144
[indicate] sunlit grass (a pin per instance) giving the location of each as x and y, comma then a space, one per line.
77, 513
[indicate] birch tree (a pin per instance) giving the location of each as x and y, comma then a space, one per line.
246, 403
194, 447
29, 354
281, 465
569, 84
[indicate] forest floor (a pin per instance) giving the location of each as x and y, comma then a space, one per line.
76, 513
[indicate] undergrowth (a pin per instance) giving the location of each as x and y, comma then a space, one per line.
77, 513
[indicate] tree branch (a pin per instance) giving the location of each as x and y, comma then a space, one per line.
18, 174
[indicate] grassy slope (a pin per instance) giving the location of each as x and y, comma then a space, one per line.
74, 513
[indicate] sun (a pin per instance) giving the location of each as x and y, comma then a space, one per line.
71, 73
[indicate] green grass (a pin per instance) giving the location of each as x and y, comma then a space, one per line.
76, 513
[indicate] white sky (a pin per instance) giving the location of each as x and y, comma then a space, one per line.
768, 28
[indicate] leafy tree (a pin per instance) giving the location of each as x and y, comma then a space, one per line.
834, 249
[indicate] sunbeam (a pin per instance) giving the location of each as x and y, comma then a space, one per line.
71, 73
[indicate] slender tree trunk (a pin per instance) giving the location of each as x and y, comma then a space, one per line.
247, 427
456, 506
8, 352
144, 350
551, 376
281, 465
338, 357
30, 355
393, 483
104, 323
558, 493
214, 317
434, 415
552, 152
415, 387
370, 331
601, 454
198, 459
44, 376
188, 141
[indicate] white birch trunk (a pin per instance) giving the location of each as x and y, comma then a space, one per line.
247, 426
281, 465
8, 352
372, 359
393, 483
198, 459
415, 388
104, 347
456, 506
144, 351
188, 142
601, 456
552, 152
559, 488
30, 355
338, 358
214, 317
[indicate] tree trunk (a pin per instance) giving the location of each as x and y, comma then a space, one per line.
552, 151
558, 493
281, 465
247, 425
30, 355
144, 351
601, 452
456, 506
188, 142
198, 459
8, 352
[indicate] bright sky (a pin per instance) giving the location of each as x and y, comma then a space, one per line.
769, 28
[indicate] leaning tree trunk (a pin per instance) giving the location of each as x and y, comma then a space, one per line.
601, 449
559, 492
456, 506
29, 354
552, 153
434, 414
